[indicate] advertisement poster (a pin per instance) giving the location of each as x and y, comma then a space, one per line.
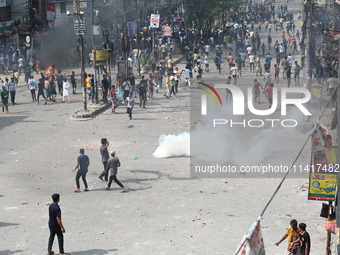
323, 180
51, 14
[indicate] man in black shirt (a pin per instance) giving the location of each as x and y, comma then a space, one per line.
133, 84
305, 239
105, 87
55, 225
74, 83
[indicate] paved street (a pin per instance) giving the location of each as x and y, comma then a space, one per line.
164, 211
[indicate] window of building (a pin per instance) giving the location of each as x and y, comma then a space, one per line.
5, 13
62, 7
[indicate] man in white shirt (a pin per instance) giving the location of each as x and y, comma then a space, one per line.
290, 59
21, 64
233, 73
32, 84
251, 62
281, 50
332, 84
66, 90
267, 79
187, 75
249, 50
126, 88
207, 49
135, 56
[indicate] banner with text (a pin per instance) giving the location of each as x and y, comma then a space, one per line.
252, 243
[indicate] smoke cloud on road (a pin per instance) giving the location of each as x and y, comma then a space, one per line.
233, 145
173, 146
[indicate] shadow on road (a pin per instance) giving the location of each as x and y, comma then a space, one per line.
89, 252
9, 120
6, 224
11, 252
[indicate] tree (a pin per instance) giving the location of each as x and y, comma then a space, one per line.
202, 14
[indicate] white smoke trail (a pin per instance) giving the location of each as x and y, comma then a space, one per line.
223, 144
173, 146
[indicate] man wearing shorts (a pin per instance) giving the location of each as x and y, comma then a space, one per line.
256, 91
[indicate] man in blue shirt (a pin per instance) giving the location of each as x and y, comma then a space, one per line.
82, 165
218, 64
268, 60
55, 225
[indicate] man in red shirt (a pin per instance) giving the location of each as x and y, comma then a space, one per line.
283, 35
269, 94
230, 60
256, 91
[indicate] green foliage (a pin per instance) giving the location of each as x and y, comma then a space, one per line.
203, 13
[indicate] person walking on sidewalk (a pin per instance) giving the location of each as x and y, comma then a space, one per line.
83, 163
112, 166
56, 226
105, 157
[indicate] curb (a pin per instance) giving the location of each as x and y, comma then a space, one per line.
90, 114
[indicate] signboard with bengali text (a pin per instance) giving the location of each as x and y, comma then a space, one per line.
323, 178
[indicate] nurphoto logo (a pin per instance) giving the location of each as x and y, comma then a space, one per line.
239, 99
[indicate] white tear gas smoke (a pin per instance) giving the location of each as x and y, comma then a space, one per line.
240, 145
229, 145
173, 146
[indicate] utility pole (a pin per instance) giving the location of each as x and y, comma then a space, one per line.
81, 49
153, 32
185, 7
138, 41
309, 43
126, 40
94, 54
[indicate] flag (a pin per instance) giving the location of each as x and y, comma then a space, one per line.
252, 242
